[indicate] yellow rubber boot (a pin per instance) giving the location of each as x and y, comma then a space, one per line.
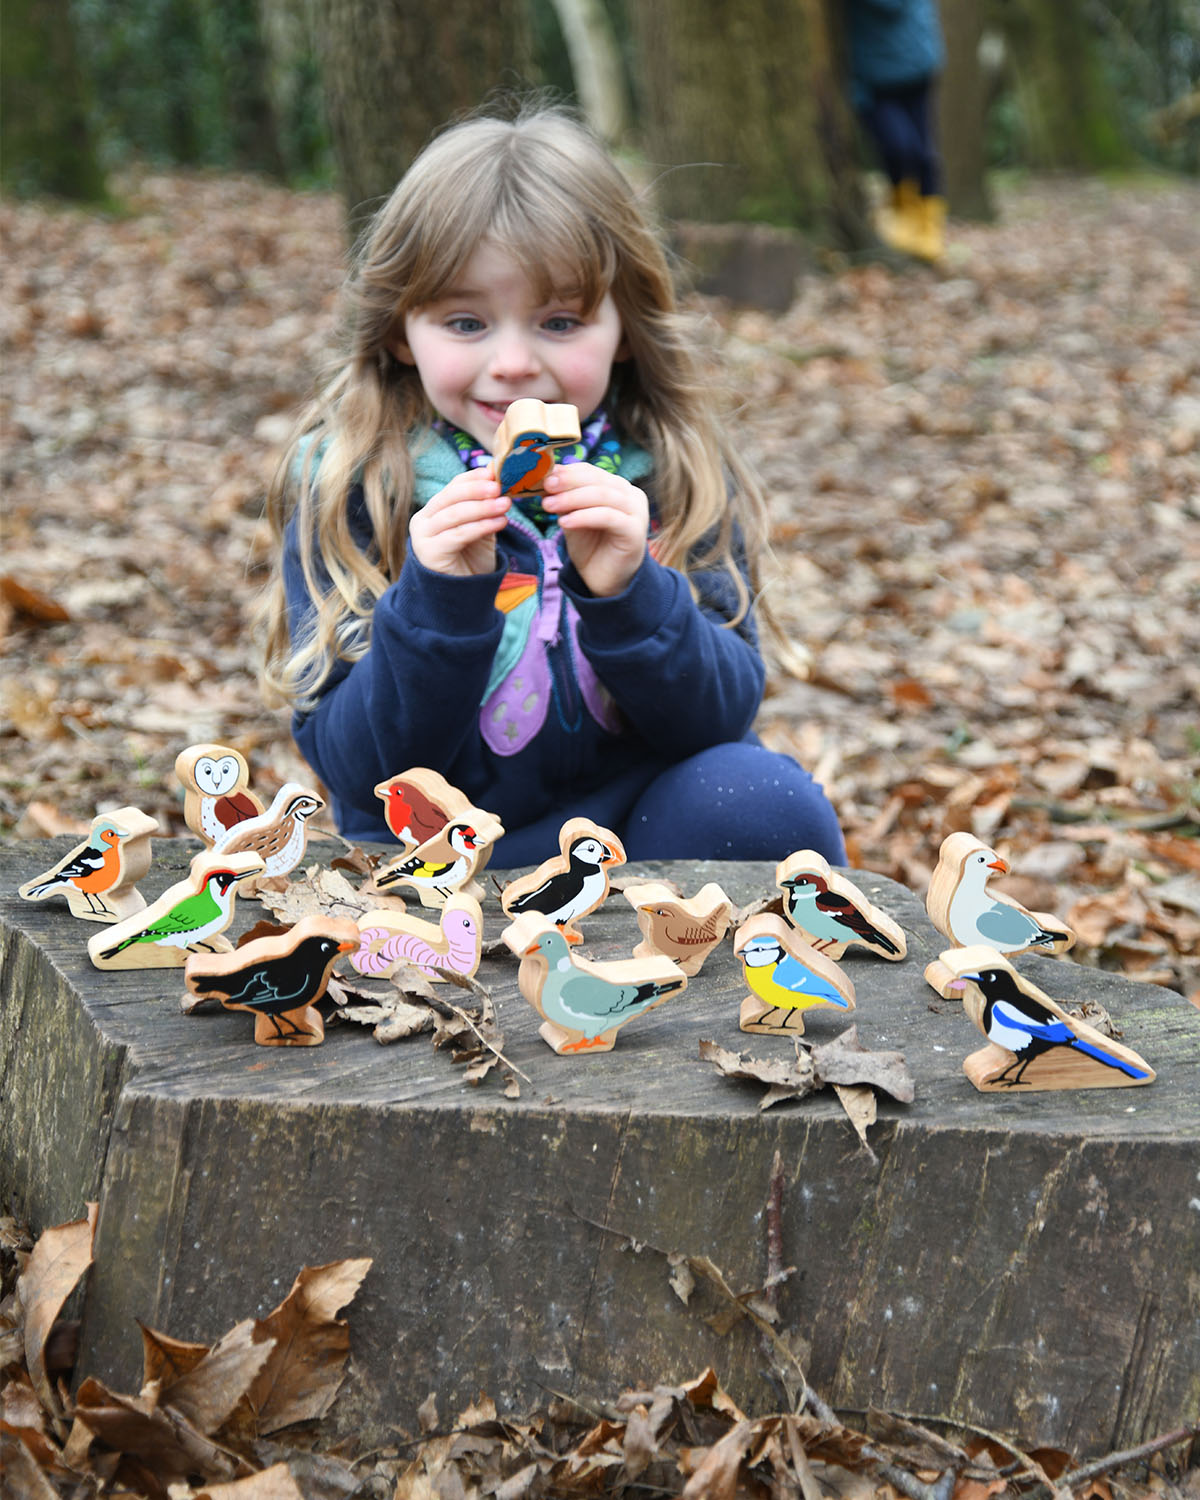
930, 241
901, 222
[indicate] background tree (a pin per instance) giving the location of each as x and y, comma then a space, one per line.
963, 97
395, 69
49, 145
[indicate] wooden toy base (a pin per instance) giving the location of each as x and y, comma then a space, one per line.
993, 1070
571, 1044
785, 1023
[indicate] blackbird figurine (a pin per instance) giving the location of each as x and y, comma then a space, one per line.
568, 886
1032, 1043
191, 914
216, 790
685, 931
831, 911
99, 877
963, 909
278, 979
388, 940
583, 1004
786, 977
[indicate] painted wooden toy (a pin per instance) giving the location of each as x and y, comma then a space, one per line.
962, 908
418, 803
388, 940
527, 440
216, 783
278, 979
99, 876
1032, 1043
786, 977
280, 835
448, 861
685, 931
831, 911
570, 884
583, 1004
189, 915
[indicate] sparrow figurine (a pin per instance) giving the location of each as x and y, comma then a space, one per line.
831, 911
786, 977
963, 909
685, 931
190, 914
583, 1004
278, 978
280, 835
388, 940
1032, 1043
216, 790
99, 876
568, 886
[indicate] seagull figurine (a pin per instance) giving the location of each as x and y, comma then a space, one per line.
99, 876
831, 911
584, 1003
388, 940
572, 883
278, 978
685, 931
962, 908
190, 914
786, 977
1034, 1044
216, 790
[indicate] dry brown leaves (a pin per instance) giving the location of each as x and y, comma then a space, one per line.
984, 487
196, 1426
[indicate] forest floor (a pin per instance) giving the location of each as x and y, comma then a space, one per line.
985, 492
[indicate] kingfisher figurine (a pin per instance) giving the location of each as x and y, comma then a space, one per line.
524, 448
99, 877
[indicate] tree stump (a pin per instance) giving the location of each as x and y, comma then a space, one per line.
1025, 1263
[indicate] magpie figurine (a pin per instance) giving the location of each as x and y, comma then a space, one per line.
278, 979
831, 911
1034, 1043
569, 885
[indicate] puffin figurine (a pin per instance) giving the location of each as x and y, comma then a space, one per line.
216, 783
786, 977
571, 884
1032, 1043
830, 910
99, 876
963, 909
685, 931
583, 1004
388, 940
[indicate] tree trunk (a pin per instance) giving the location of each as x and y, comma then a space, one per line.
746, 115
394, 70
596, 65
1064, 105
962, 111
48, 145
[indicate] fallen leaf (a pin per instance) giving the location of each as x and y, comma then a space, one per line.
206, 1394
56, 1262
858, 1100
31, 604
785, 1079
845, 1060
275, 1483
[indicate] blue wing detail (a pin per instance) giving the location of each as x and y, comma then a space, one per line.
515, 467
790, 974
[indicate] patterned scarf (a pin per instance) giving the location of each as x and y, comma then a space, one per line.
598, 445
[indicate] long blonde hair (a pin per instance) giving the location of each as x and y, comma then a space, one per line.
542, 187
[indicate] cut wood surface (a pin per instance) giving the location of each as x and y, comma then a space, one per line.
932, 1273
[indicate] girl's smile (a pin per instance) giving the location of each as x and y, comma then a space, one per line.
490, 340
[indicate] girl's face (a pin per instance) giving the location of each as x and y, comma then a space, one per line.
489, 339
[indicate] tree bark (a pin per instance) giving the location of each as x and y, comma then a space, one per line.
746, 116
395, 70
596, 64
962, 111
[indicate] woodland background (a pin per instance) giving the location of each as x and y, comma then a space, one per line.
984, 476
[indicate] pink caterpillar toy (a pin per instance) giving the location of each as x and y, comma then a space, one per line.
387, 941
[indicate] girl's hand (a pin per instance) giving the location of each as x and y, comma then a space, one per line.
604, 519
454, 533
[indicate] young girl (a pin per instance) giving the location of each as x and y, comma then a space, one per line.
590, 653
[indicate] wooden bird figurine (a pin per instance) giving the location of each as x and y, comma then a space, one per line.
685, 931
831, 911
418, 803
99, 876
524, 448
1032, 1043
388, 940
786, 977
962, 908
190, 914
216, 781
280, 835
583, 1004
278, 978
448, 861
570, 884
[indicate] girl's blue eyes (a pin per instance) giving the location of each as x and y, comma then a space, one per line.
558, 323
